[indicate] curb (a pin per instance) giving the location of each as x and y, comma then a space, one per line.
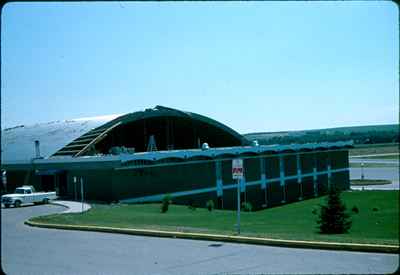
59, 204
228, 238
69, 209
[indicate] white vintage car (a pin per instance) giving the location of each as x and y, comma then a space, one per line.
27, 194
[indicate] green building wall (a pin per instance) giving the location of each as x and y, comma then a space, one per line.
108, 184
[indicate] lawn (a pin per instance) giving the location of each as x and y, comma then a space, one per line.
372, 165
369, 182
387, 157
372, 149
291, 221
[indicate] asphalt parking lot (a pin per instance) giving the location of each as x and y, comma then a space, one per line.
384, 173
29, 250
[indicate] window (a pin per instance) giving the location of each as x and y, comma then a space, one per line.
19, 191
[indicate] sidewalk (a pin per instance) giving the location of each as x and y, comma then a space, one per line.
72, 206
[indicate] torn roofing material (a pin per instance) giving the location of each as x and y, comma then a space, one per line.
17, 143
74, 137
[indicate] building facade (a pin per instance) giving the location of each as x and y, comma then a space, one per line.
143, 156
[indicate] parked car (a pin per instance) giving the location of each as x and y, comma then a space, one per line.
27, 194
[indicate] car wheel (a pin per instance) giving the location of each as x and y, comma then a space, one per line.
17, 203
46, 201
6, 205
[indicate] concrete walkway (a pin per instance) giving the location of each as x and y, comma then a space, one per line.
72, 206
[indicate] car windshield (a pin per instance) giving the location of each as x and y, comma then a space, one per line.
19, 191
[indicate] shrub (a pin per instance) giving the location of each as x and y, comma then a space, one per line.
210, 205
191, 205
333, 218
314, 211
166, 201
355, 209
375, 209
247, 207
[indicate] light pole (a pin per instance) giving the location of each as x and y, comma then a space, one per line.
4, 180
75, 192
362, 170
82, 192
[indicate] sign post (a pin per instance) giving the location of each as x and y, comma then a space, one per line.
237, 173
362, 170
75, 192
4, 179
82, 192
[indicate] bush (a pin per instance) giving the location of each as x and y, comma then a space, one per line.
314, 211
333, 218
247, 207
355, 209
210, 205
166, 201
375, 209
191, 205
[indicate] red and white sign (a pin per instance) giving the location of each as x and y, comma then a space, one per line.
237, 168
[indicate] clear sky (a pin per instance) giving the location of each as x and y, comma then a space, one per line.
255, 66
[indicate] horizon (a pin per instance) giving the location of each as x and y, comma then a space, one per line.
114, 116
253, 66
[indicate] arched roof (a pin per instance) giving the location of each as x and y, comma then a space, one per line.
161, 111
58, 136
86, 144
17, 143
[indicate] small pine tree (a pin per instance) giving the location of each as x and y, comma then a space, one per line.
247, 206
210, 205
166, 201
333, 218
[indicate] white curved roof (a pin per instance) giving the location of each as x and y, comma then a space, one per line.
17, 143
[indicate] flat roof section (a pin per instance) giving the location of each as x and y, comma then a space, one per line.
124, 160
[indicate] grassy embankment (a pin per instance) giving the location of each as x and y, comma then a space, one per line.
374, 149
386, 157
373, 165
369, 182
292, 221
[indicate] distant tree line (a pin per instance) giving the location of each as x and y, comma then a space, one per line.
367, 137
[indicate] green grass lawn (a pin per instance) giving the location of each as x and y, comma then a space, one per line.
372, 165
388, 157
369, 182
374, 149
291, 221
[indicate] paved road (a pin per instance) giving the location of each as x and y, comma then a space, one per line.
384, 173
29, 250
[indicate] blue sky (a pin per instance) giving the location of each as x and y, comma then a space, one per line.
255, 66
